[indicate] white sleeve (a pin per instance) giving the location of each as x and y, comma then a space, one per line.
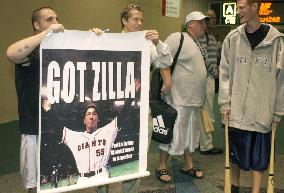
160, 55
68, 136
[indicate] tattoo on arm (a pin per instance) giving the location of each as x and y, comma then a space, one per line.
26, 46
20, 50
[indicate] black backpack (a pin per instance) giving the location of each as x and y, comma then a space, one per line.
163, 114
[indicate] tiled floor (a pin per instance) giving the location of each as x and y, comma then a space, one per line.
213, 168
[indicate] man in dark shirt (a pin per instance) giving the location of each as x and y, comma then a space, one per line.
25, 54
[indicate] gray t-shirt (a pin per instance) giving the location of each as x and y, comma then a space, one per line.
189, 76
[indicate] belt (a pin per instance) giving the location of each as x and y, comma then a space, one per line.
91, 173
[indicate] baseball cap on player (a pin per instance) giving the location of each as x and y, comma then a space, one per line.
195, 16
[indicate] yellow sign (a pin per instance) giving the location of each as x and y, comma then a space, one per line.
270, 12
270, 19
265, 9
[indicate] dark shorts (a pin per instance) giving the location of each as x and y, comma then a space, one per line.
250, 150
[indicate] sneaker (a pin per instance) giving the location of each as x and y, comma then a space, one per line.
213, 151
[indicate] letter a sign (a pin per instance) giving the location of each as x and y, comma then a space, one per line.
229, 13
229, 9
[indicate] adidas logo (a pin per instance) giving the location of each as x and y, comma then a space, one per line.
159, 126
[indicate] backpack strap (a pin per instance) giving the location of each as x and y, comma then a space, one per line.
177, 53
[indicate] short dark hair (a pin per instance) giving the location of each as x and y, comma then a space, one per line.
253, 1
36, 14
125, 13
89, 106
258, 3
250, 2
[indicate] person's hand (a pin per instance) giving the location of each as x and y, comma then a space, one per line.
275, 123
225, 116
137, 85
152, 35
167, 80
57, 27
46, 105
98, 31
166, 88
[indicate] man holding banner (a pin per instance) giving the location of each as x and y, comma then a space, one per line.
131, 18
25, 54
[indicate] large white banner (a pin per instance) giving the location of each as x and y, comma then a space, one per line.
94, 109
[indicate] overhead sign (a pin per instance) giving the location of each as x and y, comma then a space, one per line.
171, 8
229, 13
272, 12
269, 12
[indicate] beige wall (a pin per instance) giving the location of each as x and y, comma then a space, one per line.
74, 14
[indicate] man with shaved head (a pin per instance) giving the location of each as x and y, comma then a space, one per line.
25, 54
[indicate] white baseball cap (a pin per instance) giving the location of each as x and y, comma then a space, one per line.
195, 16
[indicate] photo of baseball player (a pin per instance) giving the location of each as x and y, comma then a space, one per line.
91, 147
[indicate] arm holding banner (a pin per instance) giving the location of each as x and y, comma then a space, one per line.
161, 58
18, 51
160, 53
99, 31
152, 35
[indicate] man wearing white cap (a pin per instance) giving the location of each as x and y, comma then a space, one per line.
187, 96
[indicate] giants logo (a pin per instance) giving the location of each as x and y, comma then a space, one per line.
94, 143
159, 126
